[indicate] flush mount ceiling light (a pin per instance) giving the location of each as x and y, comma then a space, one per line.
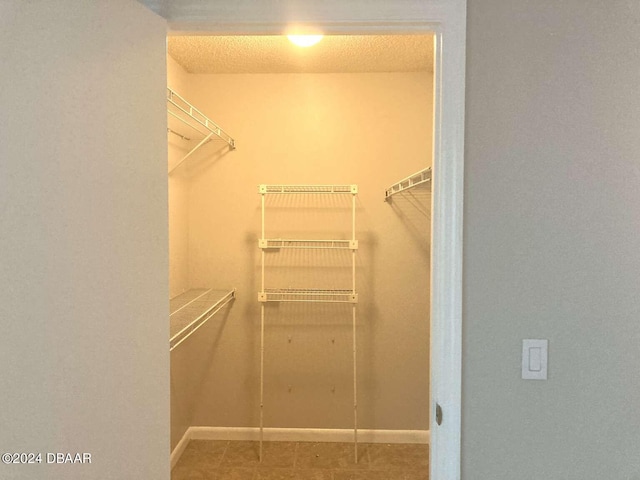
304, 40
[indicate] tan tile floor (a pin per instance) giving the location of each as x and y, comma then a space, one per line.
222, 460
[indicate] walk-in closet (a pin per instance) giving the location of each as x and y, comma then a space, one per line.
300, 199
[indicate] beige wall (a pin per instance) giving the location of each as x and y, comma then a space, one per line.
551, 242
83, 274
369, 129
184, 383
177, 79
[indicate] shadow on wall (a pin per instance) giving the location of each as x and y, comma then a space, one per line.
414, 210
190, 365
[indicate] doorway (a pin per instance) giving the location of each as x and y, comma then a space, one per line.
125, 184
227, 156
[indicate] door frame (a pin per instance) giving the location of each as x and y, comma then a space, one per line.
447, 20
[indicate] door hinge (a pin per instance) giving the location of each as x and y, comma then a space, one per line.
438, 414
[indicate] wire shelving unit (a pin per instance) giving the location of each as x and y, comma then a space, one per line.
309, 295
187, 114
192, 309
419, 178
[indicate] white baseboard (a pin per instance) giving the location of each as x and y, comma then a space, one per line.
176, 453
309, 435
297, 435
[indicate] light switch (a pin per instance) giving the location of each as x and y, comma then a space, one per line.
535, 356
534, 359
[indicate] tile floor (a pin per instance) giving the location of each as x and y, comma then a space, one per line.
236, 460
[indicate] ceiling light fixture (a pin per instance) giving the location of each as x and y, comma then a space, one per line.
304, 40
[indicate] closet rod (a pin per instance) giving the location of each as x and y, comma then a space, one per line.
423, 176
183, 137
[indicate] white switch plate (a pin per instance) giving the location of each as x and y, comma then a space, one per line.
534, 359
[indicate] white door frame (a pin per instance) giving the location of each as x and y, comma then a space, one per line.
447, 18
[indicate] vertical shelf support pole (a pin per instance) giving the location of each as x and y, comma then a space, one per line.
262, 341
353, 309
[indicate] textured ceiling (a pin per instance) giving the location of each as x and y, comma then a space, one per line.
275, 54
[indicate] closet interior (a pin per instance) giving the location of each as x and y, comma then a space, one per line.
300, 239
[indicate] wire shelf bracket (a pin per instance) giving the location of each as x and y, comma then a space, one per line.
186, 113
419, 178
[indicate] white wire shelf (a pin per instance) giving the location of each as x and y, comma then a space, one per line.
419, 178
307, 295
189, 115
278, 243
309, 189
192, 309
